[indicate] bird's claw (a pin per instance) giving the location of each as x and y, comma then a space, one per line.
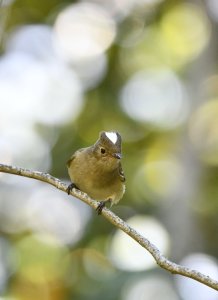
70, 187
100, 206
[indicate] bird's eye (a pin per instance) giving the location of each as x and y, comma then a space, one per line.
103, 151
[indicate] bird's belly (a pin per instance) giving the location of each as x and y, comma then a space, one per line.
101, 186
100, 189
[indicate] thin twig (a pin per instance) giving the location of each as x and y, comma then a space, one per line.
161, 260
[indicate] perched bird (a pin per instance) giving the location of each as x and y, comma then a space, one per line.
97, 170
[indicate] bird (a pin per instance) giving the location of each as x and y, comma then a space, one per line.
97, 170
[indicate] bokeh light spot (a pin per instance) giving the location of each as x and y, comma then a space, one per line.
204, 131
40, 260
156, 97
146, 288
186, 30
54, 214
31, 81
83, 30
126, 254
192, 290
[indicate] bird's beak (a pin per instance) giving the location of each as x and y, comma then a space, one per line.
117, 155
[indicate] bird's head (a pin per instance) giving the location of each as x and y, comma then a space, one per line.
108, 147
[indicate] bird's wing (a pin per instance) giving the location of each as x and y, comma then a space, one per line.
73, 157
121, 173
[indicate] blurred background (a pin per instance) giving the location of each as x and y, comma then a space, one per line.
146, 68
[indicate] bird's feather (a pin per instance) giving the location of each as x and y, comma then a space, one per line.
73, 157
70, 160
121, 173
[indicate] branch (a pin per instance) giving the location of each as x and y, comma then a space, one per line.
161, 260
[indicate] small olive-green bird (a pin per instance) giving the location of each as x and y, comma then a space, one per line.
97, 170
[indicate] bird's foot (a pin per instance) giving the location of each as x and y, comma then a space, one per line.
102, 205
70, 187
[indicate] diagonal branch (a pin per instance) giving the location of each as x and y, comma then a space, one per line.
161, 260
